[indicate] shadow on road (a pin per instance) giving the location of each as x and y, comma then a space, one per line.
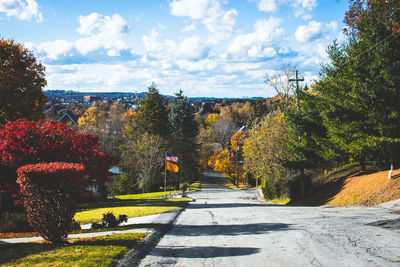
230, 230
200, 252
231, 205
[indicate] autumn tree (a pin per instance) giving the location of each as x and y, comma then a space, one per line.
25, 142
22, 79
107, 120
265, 153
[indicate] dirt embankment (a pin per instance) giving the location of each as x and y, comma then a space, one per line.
362, 188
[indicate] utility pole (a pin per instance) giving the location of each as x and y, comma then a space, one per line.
297, 80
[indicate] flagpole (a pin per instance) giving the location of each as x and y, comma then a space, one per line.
165, 177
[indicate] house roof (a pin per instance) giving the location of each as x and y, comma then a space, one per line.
69, 116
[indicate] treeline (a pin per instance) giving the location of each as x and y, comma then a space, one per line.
351, 114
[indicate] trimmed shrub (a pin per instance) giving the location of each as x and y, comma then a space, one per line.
110, 221
49, 192
25, 142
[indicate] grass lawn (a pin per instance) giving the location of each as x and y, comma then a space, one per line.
282, 200
134, 205
98, 251
119, 228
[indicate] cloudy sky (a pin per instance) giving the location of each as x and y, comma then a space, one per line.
204, 47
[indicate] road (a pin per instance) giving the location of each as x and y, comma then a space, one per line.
226, 227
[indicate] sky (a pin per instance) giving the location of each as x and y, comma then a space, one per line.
210, 48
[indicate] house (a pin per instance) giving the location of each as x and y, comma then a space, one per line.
69, 118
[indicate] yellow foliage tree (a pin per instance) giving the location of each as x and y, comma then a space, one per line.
265, 153
90, 120
221, 162
211, 118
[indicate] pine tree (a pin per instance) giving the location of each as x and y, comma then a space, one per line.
184, 129
151, 116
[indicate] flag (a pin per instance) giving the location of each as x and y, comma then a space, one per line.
172, 167
172, 158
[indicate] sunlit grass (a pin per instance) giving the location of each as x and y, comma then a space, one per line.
96, 215
153, 195
282, 200
369, 189
96, 251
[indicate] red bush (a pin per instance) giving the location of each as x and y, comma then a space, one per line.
25, 142
49, 192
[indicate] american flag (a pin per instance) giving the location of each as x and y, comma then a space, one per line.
172, 158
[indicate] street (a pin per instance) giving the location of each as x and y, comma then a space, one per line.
226, 227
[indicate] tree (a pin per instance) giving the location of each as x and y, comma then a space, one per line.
184, 130
142, 161
279, 80
151, 116
107, 120
258, 111
221, 162
222, 130
25, 142
265, 153
22, 79
360, 87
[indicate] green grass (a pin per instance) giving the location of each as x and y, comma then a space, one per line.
96, 251
96, 215
282, 200
194, 186
134, 205
119, 228
153, 195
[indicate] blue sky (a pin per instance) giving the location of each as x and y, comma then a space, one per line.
220, 48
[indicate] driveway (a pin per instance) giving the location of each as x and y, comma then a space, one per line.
226, 227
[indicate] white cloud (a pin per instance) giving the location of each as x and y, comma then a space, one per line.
200, 65
267, 5
255, 42
313, 31
189, 48
103, 32
162, 27
302, 8
218, 21
189, 28
55, 49
21, 9
257, 51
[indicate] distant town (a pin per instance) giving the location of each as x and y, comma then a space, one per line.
61, 101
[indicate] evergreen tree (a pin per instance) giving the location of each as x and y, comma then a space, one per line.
151, 116
184, 130
359, 89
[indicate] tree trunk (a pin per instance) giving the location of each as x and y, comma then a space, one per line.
362, 162
302, 186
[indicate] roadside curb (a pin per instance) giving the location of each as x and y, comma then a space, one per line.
164, 223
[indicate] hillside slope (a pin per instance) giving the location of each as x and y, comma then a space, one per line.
365, 189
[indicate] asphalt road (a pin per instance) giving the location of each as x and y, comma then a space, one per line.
226, 227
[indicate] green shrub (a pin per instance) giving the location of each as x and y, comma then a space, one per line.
14, 223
